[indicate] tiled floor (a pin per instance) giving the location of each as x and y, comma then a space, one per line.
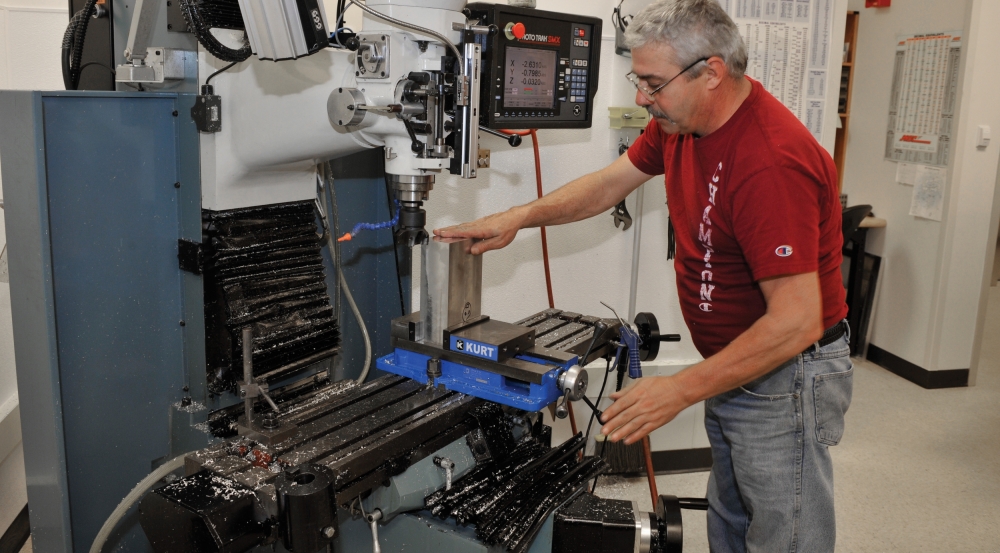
917, 470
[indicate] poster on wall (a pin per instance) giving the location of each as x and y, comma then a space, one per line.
923, 97
928, 192
788, 47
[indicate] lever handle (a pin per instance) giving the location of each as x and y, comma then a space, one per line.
599, 328
513, 139
562, 411
448, 466
373, 519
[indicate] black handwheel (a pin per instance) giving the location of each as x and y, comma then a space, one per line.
649, 333
670, 531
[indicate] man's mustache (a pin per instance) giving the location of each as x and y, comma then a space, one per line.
657, 114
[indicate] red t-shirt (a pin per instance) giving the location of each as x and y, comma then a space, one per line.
757, 198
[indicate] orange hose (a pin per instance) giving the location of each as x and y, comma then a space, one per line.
648, 453
545, 243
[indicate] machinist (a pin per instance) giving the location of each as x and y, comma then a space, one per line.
754, 200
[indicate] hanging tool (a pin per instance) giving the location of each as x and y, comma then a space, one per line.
621, 215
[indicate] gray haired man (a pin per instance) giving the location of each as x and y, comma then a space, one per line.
754, 201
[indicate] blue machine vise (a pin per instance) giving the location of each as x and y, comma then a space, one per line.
516, 364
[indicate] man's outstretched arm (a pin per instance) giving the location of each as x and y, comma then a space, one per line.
793, 321
580, 199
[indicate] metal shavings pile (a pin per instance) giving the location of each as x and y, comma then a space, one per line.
509, 500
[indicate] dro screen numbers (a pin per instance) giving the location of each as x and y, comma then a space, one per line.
529, 80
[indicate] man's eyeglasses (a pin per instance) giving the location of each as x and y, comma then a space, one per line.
634, 79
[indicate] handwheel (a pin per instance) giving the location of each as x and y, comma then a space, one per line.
649, 333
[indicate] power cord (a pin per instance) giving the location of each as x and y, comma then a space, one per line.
226, 68
395, 246
89, 63
330, 212
621, 23
608, 370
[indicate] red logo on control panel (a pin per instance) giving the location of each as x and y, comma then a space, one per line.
517, 31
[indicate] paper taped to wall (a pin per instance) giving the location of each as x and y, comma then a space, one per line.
928, 192
906, 173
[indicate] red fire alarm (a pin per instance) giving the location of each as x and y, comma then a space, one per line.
877, 3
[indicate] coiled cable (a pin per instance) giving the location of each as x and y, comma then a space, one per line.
72, 45
196, 20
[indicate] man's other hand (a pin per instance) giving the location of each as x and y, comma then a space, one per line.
492, 232
646, 405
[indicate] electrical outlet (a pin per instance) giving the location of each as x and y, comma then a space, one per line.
983, 135
483, 159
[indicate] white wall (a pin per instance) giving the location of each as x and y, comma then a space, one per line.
30, 39
932, 272
970, 230
908, 245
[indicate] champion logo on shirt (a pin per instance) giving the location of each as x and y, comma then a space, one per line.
783, 251
705, 239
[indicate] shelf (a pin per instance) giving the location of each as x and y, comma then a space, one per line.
844, 99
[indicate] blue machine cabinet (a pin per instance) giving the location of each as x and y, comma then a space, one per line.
98, 188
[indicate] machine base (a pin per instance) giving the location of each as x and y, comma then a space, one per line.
422, 532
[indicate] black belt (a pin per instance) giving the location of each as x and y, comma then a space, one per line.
833, 334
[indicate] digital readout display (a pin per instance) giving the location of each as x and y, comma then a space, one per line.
530, 80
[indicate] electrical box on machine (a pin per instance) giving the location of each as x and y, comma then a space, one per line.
539, 69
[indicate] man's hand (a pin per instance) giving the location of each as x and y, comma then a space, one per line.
493, 232
644, 406
793, 321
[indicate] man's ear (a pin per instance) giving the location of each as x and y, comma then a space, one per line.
716, 72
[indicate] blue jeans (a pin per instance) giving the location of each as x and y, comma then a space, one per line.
771, 486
